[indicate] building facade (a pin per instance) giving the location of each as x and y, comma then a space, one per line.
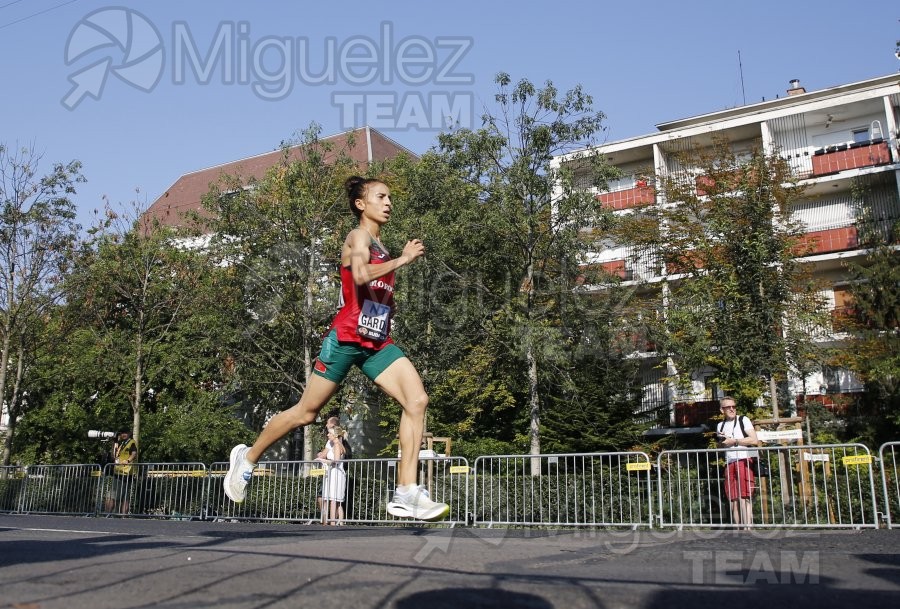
831, 138
183, 199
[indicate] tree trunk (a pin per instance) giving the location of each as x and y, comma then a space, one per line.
4, 362
773, 391
534, 401
534, 409
136, 402
13, 403
307, 350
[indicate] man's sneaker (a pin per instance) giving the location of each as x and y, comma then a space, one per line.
415, 503
239, 473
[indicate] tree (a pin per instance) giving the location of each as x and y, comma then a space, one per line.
873, 324
37, 236
593, 407
138, 303
140, 340
873, 352
735, 298
520, 244
280, 237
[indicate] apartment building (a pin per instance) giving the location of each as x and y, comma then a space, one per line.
831, 138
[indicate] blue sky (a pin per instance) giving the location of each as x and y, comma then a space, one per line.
170, 104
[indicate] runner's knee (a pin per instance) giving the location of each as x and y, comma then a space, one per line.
299, 415
417, 405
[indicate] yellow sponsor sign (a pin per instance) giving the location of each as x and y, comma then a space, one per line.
637, 467
858, 460
317, 472
193, 473
459, 469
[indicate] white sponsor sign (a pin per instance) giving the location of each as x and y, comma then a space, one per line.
809, 457
774, 436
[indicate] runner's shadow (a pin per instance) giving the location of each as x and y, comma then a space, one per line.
472, 598
890, 571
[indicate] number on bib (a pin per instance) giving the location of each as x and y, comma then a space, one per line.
373, 321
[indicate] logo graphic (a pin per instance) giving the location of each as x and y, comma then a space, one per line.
138, 62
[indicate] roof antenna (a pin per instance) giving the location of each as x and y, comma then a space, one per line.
741, 69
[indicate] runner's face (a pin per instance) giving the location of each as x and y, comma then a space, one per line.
376, 205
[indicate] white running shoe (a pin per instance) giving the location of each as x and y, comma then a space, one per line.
415, 503
239, 473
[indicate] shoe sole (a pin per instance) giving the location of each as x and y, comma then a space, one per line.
232, 472
401, 511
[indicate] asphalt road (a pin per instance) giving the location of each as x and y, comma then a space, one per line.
51, 562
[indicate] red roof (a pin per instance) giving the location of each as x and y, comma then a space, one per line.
186, 193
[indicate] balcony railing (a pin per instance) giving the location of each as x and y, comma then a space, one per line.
827, 241
693, 414
641, 194
839, 158
617, 268
840, 404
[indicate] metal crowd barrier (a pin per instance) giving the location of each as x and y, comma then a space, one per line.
823, 486
291, 490
12, 481
889, 457
591, 489
59, 489
170, 490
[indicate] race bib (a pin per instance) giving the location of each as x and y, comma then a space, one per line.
373, 321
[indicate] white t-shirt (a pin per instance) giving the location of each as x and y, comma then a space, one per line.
732, 429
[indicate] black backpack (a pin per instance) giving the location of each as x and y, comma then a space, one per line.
740, 424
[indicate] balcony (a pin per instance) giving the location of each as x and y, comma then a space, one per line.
853, 156
827, 241
694, 414
840, 404
728, 181
844, 319
687, 262
617, 268
640, 195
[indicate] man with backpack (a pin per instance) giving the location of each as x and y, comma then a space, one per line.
737, 434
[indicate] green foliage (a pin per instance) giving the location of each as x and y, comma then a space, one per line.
492, 306
824, 425
481, 446
192, 432
140, 334
571, 491
873, 350
37, 236
281, 241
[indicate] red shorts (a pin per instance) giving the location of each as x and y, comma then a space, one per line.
739, 480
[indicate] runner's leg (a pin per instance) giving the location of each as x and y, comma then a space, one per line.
402, 382
318, 391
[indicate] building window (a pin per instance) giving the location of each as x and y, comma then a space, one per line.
710, 388
840, 380
860, 135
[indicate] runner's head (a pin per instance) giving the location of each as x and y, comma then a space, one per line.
357, 189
